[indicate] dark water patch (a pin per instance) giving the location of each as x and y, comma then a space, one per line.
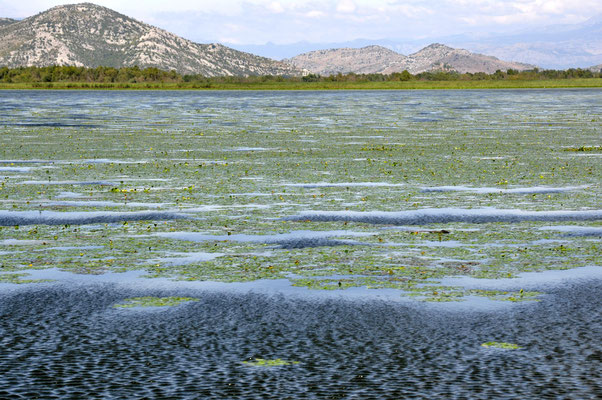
593, 232
585, 233
446, 215
302, 243
575, 231
17, 218
65, 342
417, 119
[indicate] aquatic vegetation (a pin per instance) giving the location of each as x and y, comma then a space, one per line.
18, 279
398, 185
154, 302
500, 295
187, 258
260, 362
584, 148
501, 345
438, 295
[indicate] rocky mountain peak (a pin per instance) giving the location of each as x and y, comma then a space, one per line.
365, 60
378, 59
438, 50
89, 35
437, 47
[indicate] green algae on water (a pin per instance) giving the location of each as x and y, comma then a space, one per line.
501, 345
208, 159
584, 148
261, 362
500, 295
154, 302
17, 279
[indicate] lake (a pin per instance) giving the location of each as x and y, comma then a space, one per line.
352, 244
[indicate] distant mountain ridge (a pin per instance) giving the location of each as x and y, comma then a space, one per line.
89, 35
555, 47
596, 68
380, 60
552, 47
6, 21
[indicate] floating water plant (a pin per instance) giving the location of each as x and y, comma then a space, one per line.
501, 345
370, 166
500, 295
154, 302
584, 148
17, 279
261, 362
442, 297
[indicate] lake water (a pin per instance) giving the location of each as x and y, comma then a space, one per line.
368, 242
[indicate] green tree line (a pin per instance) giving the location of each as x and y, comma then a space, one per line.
135, 74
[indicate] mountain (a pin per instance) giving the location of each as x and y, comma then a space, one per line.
552, 47
6, 21
89, 35
367, 60
378, 59
596, 68
440, 57
282, 51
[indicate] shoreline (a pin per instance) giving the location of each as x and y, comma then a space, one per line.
586, 83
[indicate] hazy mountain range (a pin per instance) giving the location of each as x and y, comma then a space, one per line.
380, 60
90, 35
552, 47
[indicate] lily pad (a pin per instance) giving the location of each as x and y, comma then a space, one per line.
154, 302
261, 362
501, 345
17, 279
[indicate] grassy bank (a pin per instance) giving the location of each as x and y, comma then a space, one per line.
330, 85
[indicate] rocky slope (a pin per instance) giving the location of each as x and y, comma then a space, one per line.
377, 59
6, 21
89, 35
370, 59
441, 57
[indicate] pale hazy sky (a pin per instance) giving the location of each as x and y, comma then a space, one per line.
289, 21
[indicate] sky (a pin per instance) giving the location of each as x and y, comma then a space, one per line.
291, 21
